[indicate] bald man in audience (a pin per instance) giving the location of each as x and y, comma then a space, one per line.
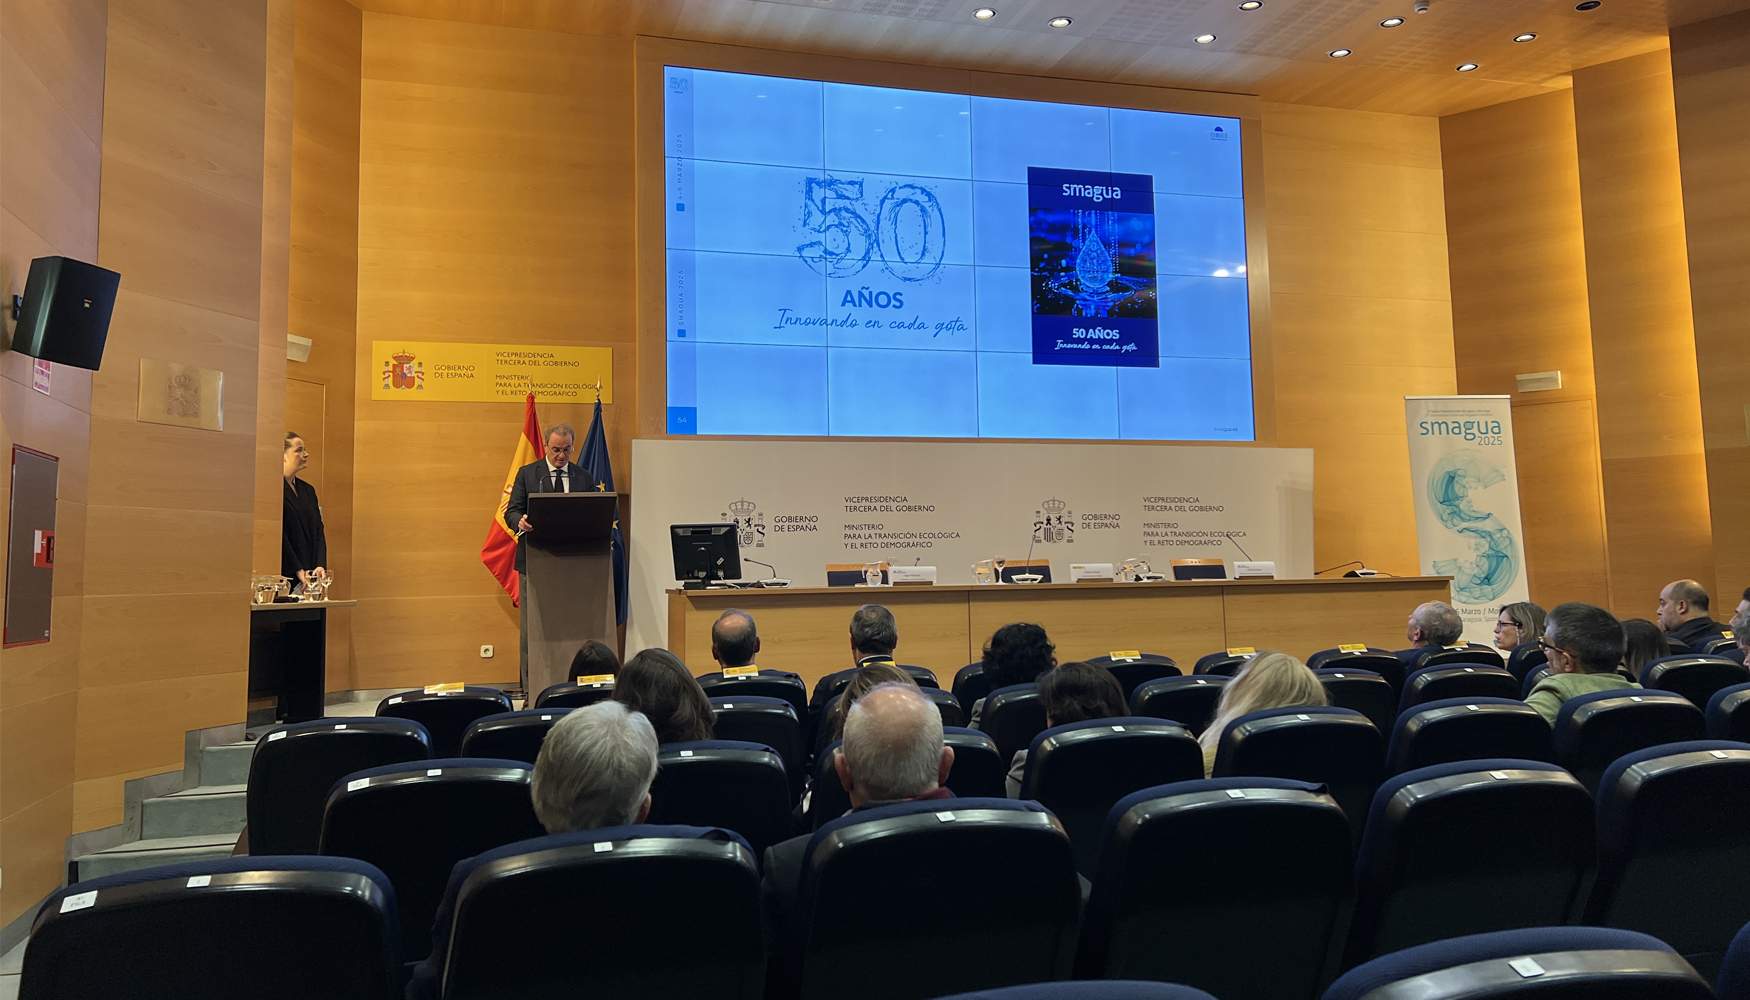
892, 752
1431, 626
1683, 607
734, 640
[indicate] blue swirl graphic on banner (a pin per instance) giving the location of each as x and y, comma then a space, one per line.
1495, 563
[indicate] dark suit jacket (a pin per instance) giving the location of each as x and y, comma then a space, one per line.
427, 981
780, 899
533, 478
1409, 657
1696, 633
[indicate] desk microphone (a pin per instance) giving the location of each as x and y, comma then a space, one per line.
1362, 571
1027, 563
1237, 545
770, 581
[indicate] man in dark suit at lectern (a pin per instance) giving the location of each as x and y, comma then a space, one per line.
554, 472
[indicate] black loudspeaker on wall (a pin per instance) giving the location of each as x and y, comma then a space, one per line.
64, 317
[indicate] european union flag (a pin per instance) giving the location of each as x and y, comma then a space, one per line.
593, 459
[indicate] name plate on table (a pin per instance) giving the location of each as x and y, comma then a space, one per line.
1255, 570
1091, 572
912, 576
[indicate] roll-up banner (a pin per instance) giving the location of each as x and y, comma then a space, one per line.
1466, 489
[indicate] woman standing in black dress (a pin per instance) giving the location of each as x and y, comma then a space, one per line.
303, 545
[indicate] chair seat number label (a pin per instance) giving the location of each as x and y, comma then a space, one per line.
1526, 967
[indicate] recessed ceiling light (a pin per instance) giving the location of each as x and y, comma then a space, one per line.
1391, 22
1528, 36
1589, 5
1340, 53
984, 13
1252, 4
1466, 67
1204, 39
1059, 22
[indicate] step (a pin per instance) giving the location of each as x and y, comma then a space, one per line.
209, 810
227, 764
151, 853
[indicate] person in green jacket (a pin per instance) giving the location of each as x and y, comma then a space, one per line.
1584, 645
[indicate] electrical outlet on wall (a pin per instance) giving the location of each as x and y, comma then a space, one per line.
486, 652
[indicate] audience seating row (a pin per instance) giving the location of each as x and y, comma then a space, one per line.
1452, 850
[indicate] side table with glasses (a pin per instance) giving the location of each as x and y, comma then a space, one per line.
288, 652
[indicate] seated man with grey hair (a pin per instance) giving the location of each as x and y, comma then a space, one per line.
591, 783
1431, 626
892, 752
874, 636
1585, 646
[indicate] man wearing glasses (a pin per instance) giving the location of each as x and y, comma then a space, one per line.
553, 472
1584, 646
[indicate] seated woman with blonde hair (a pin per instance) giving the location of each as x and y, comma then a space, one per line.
1268, 680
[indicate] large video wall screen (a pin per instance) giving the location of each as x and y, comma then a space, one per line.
849, 260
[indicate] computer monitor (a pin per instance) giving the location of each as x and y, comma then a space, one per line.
705, 552
1199, 569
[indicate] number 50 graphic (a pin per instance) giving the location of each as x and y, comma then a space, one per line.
908, 232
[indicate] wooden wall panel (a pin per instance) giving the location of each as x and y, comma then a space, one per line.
52, 117
324, 276
276, 251
1519, 304
1361, 313
173, 507
1710, 64
495, 206
1643, 343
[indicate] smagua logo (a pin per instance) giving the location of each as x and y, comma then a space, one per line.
750, 524
1484, 431
1493, 560
1054, 522
403, 372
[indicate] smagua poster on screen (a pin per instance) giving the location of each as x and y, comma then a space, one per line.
1093, 275
850, 260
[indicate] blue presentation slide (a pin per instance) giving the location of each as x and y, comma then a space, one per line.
848, 260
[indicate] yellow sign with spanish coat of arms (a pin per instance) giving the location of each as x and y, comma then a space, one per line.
490, 373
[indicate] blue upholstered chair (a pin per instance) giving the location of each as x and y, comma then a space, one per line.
270, 927
1270, 916
1467, 729
1469, 847
1560, 963
1674, 847
415, 821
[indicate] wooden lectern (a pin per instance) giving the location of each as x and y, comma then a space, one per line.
568, 586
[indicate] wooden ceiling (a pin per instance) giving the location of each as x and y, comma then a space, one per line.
1278, 51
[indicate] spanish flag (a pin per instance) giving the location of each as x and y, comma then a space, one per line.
499, 552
